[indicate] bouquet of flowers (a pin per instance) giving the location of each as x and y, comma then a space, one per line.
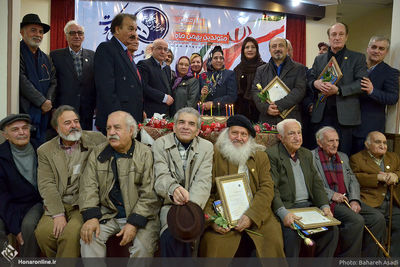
264, 128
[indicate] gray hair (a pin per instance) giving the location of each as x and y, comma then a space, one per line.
129, 121
70, 23
377, 38
280, 127
319, 135
58, 112
189, 110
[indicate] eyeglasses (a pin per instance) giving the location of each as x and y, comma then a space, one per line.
80, 33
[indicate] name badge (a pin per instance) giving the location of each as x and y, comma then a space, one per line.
76, 169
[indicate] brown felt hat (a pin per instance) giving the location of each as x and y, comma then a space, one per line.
186, 222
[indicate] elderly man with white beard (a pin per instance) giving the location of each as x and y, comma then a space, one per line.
237, 152
61, 162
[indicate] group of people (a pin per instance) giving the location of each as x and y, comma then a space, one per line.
66, 193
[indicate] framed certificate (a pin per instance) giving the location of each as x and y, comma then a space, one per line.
313, 217
331, 73
277, 90
235, 194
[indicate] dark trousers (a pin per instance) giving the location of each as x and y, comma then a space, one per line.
395, 234
31, 219
354, 241
171, 247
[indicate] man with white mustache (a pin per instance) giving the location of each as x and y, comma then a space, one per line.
61, 163
37, 80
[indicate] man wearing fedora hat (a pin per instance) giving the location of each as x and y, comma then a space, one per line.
182, 168
37, 80
20, 202
237, 152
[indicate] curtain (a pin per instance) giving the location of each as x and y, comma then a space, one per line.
62, 11
296, 33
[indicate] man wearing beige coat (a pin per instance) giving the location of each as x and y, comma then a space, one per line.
117, 195
182, 167
61, 162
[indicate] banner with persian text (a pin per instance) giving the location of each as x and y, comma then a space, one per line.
187, 29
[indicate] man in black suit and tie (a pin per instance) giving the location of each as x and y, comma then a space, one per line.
157, 80
118, 82
341, 107
74, 71
381, 88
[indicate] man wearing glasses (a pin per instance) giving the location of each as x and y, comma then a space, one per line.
37, 79
75, 76
156, 80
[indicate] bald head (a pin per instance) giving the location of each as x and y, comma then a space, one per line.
376, 144
160, 50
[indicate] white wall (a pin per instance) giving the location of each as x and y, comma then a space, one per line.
3, 59
316, 32
42, 8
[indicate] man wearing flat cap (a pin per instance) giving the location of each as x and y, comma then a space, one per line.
322, 48
182, 168
298, 185
20, 202
237, 152
37, 79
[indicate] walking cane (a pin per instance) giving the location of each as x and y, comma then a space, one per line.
390, 219
372, 235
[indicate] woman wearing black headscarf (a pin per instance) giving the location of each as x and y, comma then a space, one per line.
245, 72
218, 85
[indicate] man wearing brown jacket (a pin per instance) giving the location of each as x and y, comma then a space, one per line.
61, 162
377, 172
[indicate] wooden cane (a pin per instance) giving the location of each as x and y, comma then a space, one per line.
372, 235
390, 219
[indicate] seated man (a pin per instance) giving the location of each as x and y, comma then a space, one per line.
182, 168
377, 171
61, 162
298, 185
20, 202
342, 186
117, 196
237, 152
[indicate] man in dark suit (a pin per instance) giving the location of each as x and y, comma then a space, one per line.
118, 82
381, 88
338, 105
74, 72
157, 80
298, 185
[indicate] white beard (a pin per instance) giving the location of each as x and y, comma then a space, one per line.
73, 136
237, 155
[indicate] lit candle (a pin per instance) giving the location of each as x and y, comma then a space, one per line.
211, 109
202, 110
233, 110
219, 109
198, 107
226, 110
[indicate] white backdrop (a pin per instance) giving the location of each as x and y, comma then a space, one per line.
187, 29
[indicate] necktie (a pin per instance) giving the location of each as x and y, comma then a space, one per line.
133, 64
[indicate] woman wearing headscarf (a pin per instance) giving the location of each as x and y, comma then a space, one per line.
245, 73
185, 87
218, 85
196, 63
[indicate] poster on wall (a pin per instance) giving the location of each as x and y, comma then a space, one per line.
187, 29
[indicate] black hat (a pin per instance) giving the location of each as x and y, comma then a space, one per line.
320, 44
13, 118
186, 222
240, 120
34, 19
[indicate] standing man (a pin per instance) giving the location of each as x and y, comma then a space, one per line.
157, 80
340, 107
182, 168
341, 185
381, 88
377, 170
37, 78
117, 193
293, 74
61, 163
75, 76
298, 185
20, 202
118, 82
